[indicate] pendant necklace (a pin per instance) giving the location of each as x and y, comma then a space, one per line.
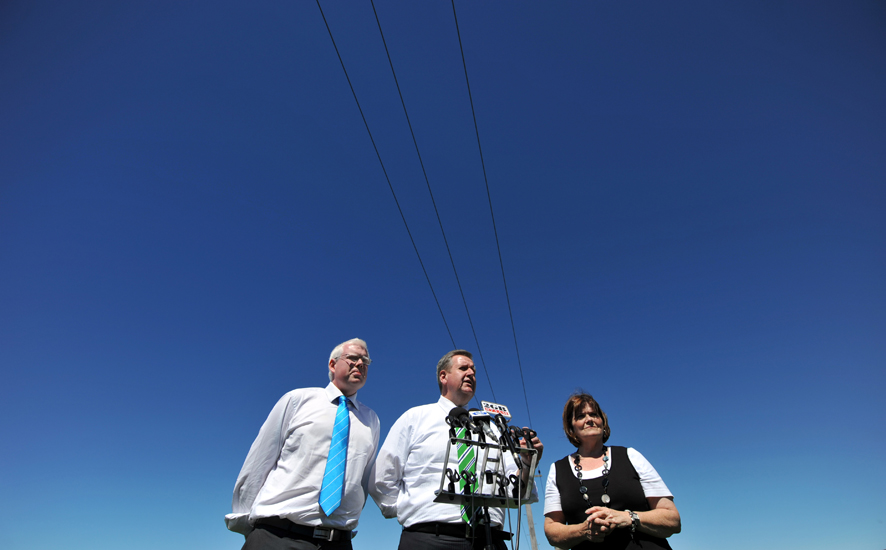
584, 490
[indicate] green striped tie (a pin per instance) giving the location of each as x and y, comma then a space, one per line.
467, 462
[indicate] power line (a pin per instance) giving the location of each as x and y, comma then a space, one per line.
433, 202
388, 179
489, 196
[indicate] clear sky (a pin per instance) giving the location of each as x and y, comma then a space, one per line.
689, 199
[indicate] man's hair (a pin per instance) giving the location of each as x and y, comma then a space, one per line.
446, 361
336, 351
575, 404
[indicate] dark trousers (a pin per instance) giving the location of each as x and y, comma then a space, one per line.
420, 541
269, 538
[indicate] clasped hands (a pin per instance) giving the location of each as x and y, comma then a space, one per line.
602, 521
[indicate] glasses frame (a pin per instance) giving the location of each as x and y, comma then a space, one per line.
347, 358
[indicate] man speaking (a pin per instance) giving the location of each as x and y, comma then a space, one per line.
304, 481
410, 466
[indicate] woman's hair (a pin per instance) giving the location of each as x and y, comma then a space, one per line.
575, 404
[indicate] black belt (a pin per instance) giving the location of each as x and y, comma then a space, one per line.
319, 532
460, 530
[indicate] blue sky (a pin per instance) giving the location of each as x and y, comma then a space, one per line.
689, 200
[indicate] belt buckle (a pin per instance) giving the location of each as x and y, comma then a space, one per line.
321, 533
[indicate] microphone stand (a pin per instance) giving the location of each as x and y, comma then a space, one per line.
487, 492
490, 545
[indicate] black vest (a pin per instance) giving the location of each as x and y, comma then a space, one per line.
625, 493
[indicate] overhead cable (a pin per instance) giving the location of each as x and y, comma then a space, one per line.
433, 202
388, 179
489, 196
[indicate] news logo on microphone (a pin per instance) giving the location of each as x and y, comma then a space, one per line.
495, 408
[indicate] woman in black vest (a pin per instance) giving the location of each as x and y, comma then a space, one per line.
604, 497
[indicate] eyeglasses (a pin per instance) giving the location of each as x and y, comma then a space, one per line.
352, 359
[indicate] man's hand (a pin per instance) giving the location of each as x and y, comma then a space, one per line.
526, 457
536, 443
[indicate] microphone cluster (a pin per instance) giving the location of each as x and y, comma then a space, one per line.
480, 423
486, 429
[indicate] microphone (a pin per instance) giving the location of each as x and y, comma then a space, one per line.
454, 423
475, 427
459, 417
482, 419
502, 424
455, 417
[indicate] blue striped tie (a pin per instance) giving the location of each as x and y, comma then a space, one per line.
333, 479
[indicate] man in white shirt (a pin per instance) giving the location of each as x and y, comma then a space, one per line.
288, 495
410, 465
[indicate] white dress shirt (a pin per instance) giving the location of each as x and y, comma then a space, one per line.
283, 471
410, 466
653, 485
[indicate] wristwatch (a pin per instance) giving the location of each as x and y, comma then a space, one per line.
635, 521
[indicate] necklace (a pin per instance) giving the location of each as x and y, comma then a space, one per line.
584, 490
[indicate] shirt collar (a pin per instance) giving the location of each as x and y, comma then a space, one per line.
446, 404
333, 393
